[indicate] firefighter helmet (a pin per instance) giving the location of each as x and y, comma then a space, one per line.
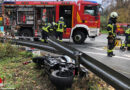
53, 23
49, 24
114, 15
61, 18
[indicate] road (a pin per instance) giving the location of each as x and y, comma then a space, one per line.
97, 50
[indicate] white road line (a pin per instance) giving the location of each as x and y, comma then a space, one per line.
106, 55
103, 48
127, 55
97, 48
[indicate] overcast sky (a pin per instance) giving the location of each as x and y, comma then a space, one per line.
99, 1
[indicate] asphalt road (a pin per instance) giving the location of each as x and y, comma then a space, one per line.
97, 49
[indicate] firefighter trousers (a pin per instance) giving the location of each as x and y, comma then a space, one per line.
111, 46
59, 35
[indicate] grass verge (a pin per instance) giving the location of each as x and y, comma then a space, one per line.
104, 31
27, 77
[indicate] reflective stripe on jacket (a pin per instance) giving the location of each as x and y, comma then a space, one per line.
111, 29
127, 31
45, 28
61, 25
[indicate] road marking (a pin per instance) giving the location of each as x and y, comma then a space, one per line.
106, 55
127, 55
96, 48
104, 48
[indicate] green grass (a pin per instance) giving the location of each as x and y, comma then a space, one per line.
104, 31
28, 77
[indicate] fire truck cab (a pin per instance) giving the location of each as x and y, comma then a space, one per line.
82, 18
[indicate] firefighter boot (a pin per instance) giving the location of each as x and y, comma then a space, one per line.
109, 54
112, 54
45, 41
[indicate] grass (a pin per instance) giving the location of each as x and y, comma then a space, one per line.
27, 77
19, 76
7, 50
104, 32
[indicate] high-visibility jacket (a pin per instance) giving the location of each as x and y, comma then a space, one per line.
127, 31
46, 28
111, 29
60, 26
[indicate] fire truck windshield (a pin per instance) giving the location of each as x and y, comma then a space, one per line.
91, 10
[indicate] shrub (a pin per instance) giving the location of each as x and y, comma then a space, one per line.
7, 50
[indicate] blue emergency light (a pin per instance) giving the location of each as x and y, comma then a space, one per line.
91, 1
9, 1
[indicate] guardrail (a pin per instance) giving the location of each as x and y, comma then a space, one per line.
112, 77
117, 80
38, 45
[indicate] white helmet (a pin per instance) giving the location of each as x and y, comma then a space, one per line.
53, 23
49, 24
114, 15
61, 18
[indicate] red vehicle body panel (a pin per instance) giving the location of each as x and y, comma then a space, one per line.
78, 16
121, 28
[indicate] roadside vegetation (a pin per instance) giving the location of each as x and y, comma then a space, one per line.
103, 29
28, 77
122, 7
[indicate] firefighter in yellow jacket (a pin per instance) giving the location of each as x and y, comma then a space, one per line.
61, 27
45, 32
111, 27
127, 40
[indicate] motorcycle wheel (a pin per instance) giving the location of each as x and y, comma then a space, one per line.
62, 79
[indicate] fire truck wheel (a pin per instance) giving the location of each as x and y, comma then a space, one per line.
62, 79
79, 37
26, 32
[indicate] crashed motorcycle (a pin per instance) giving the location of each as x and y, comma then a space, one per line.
60, 69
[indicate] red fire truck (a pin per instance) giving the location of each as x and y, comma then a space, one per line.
82, 17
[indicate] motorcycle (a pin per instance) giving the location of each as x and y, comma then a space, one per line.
60, 69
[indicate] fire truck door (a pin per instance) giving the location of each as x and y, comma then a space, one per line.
66, 13
89, 15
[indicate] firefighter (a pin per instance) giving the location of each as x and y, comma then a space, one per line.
45, 32
111, 27
60, 29
53, 29
127, 34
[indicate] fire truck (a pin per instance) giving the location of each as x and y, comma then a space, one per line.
82, 17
